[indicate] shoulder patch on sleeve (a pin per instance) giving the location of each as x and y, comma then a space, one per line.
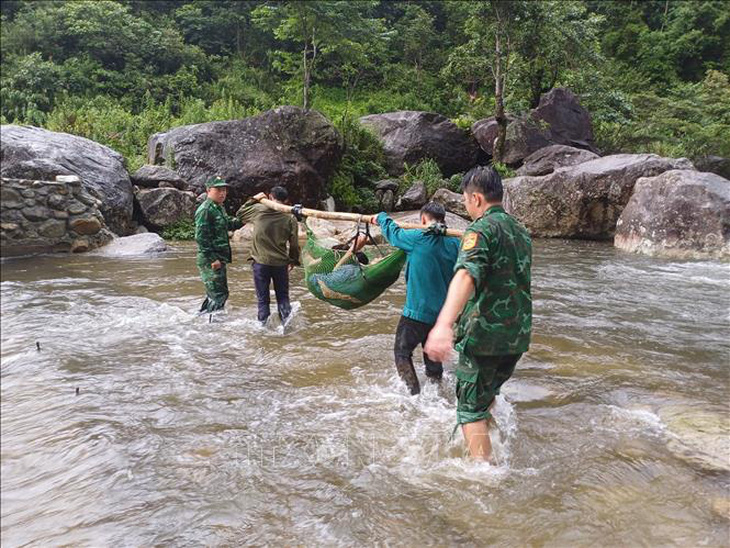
469, 241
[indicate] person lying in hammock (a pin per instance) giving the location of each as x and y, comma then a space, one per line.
338, 277
353, 249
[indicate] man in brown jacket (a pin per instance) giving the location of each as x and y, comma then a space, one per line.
273, 232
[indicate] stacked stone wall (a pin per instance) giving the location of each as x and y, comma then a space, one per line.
49, 216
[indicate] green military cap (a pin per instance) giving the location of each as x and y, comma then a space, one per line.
215, 182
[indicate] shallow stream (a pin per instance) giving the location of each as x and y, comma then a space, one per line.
138, 423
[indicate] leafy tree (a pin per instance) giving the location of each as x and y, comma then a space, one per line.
699, 34
653, 73
416, 37
220, 27
318, 27
494, 29
27, 91
556, 36
362, 164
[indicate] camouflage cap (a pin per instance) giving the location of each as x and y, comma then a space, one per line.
215, 182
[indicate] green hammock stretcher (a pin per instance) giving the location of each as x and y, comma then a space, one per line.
351, 284
337, 276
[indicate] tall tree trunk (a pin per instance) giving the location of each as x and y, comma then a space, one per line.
536, 87
307, 75
239, 40
498, 152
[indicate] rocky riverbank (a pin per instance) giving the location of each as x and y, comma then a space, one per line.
563, 188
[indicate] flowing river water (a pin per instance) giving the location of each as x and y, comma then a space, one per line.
138, 423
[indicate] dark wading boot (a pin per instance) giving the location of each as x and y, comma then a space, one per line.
434, 378
408, 374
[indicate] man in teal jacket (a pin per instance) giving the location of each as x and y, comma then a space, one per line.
431, 258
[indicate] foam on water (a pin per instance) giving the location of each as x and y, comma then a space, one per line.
636, 418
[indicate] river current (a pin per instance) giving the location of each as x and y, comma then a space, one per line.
127, 420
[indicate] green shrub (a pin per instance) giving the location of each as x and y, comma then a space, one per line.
107, 121
342, 188
361, 166
184, 229
454, 182
504, 171
464, 122
28, 86
427, 171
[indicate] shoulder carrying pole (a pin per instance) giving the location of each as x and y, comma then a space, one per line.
340, 216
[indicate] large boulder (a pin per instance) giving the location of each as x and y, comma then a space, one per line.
160, 208
33, 153
150, 176
524, 136
136, 245
567, 121
287, 146
548, 159
558, 119
680, 213
413, 198
411, 136
485, 132
385, 192
714, 164
582, 201
452, 202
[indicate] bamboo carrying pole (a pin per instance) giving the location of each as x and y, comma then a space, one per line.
340, 216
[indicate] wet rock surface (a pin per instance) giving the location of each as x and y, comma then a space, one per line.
548, 159
410, 136
452, 201
582, 201
151, 176
286, 146
160, 208
558, 119
679, 214
147, 243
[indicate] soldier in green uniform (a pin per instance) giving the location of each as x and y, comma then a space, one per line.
489, 300
214, 250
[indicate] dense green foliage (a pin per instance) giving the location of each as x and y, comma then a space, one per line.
361, 166
428, 172
653, 73
184, 229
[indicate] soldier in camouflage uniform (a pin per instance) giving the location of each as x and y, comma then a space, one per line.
489, 302
214, 250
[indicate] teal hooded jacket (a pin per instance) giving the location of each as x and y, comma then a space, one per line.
430, 266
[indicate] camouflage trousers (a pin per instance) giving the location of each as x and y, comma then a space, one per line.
216, 287
478, 381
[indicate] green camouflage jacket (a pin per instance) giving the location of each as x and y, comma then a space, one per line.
497, 251
211, 232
